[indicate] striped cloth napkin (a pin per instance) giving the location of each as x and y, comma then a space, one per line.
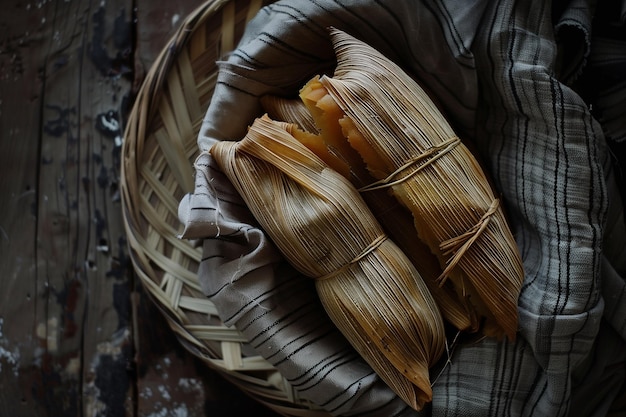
539, 88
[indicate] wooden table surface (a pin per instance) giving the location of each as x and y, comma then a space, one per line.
78, 335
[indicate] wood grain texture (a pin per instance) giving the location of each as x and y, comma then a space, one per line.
78, 335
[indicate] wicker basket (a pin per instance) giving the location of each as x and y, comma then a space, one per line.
158, 153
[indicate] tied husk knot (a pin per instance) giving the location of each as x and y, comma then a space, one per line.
413, 165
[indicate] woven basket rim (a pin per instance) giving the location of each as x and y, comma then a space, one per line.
141, 186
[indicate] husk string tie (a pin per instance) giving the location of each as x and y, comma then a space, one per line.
430, 155
458, 245
369, 249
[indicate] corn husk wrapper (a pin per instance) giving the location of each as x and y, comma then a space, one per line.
320, 223
410, 148
318, 114
290, 110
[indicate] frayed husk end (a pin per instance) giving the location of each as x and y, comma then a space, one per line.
291, 110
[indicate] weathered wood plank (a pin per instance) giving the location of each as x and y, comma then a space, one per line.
84, 314
66, 286
108, 371
25, 36
78, 336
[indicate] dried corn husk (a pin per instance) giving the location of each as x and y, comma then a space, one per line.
289, 110
320, 223
412, 150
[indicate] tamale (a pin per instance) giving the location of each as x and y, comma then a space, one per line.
335, 128
323, 227
412, 150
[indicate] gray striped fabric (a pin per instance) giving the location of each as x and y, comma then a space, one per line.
539, 89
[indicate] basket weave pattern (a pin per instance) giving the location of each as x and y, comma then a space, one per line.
157, 171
